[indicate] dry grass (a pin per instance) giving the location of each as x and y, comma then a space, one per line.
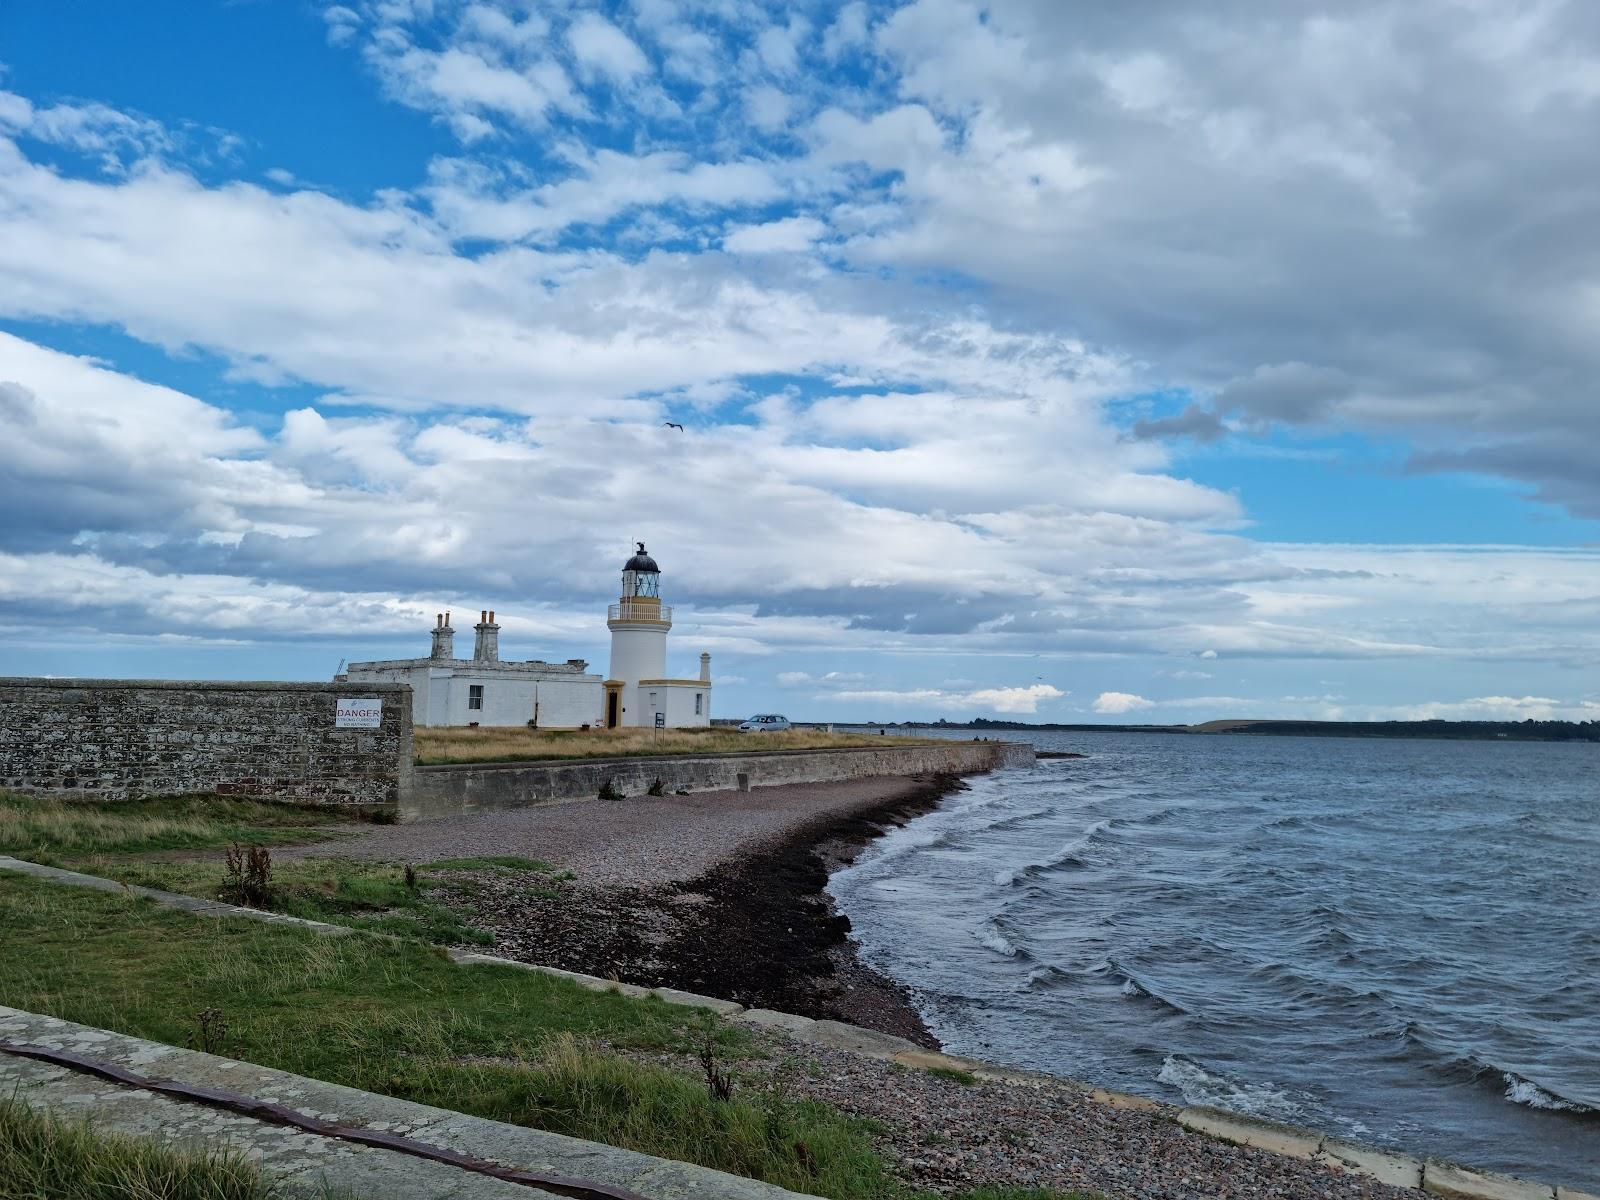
454, 745
50, 829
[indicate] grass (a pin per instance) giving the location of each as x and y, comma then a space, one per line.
45, 1158
178, 845
954, 1075
364, 895
44, 829
440, 745
400, 1019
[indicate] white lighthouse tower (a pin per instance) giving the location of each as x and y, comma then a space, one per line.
639, 691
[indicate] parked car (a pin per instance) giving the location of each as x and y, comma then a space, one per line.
765, 723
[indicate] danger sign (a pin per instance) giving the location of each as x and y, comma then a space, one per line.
365, 713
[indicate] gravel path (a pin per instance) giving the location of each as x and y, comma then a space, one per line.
942, 1136
643, 841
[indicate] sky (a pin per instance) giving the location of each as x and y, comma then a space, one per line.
1038, 359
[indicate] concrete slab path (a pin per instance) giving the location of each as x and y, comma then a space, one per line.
309, 1164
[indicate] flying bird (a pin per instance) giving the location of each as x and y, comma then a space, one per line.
673, 425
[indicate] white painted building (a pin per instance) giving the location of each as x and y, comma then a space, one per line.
483, 690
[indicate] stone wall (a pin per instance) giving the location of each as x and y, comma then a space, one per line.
467, 787
115, 739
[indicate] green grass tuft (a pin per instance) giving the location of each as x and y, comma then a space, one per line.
955, 1075
364, 895
45, 1158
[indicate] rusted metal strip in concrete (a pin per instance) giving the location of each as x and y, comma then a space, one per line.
277, 1114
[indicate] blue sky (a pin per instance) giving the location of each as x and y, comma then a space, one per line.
1034, 360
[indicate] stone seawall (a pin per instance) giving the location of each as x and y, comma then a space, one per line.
468, 787
118, 738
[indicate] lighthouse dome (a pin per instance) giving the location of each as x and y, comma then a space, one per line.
642, 562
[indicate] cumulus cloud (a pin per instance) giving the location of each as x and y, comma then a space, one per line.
602, 48
791, 235
1301, 195
1120, 702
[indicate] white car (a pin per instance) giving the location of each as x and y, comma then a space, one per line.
765, 723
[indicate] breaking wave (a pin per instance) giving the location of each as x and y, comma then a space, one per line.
1069, 855
1199, 1085
1526, 1091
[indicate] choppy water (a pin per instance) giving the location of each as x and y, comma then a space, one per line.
1398, 941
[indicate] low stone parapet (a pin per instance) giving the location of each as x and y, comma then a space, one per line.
440, 791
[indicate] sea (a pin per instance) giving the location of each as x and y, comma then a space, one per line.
1393, 940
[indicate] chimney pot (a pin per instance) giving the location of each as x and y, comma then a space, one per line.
491, 616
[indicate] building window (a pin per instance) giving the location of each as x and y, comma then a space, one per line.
697, 704
475, 695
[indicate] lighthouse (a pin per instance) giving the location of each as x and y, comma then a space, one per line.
639, 691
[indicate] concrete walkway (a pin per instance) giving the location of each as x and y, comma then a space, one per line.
307, 1164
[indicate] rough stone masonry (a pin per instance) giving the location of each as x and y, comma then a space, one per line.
116, 739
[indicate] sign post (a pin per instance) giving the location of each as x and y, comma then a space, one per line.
358, 713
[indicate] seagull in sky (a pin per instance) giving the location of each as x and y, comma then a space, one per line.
673, 425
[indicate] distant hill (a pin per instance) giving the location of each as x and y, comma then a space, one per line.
1514, 731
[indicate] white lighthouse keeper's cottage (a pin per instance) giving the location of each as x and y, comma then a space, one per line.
638, 691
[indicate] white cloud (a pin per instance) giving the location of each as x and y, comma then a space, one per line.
343, 23
769, 108
602, 48
787, 236
115, 137
848, 31
1120, 702
1493, 708
801, 678
1001, 700
779, 45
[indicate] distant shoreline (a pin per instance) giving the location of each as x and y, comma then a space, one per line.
1478, 731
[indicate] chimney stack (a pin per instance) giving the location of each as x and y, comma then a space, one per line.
705, 667
487, 647
444, 643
